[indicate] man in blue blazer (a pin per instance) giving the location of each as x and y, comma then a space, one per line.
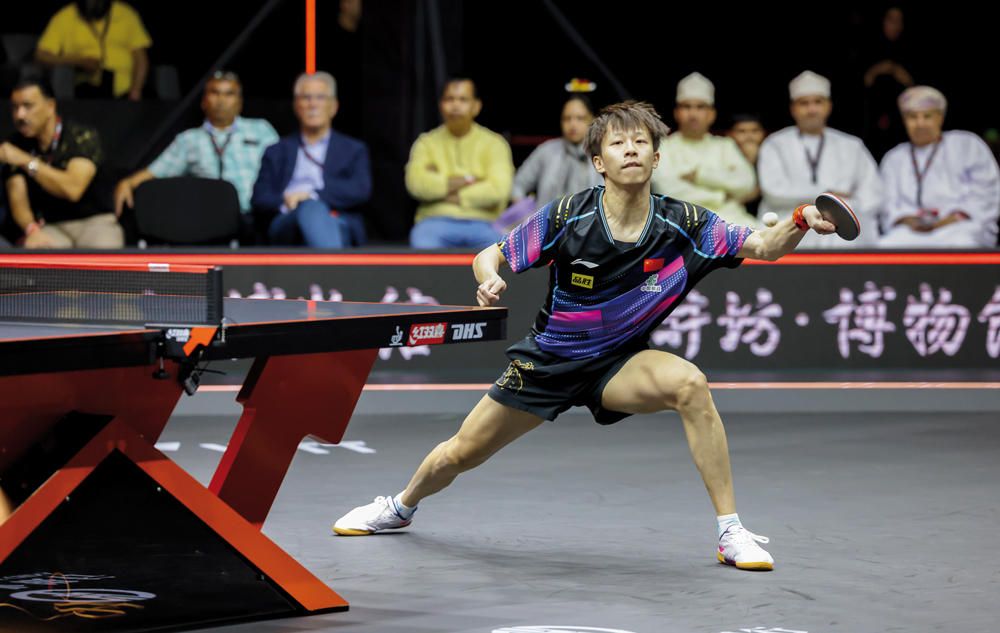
309, 182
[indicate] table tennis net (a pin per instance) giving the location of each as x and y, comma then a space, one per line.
133, 295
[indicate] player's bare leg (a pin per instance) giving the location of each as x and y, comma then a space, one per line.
486, 430
6, 507
655, 381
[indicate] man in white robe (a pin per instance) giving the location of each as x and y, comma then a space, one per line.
800, 162
698, 167
942, 189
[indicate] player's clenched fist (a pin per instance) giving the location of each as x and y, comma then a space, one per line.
489, 291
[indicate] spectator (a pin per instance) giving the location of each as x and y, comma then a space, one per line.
700, 168
749, 133
942, 189
460, 173
560, 166
800, 162
105, 40
887, 58
53, 176
310, 181
226, 146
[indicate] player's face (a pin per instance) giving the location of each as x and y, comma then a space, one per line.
923, 127
459, 105
31, 110
575, 120
627, 158
811, 112
314, 106
694, 118
222, 101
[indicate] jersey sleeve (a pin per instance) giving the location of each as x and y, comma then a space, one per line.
531, 243
715, 241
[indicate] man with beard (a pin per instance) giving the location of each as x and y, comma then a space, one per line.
701, 168
52, 171
800, 162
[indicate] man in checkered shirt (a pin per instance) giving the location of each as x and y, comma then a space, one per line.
226, 146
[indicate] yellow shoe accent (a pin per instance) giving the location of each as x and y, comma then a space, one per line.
756, 566
345, 532
749, 566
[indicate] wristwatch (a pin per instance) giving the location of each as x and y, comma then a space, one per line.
33, 167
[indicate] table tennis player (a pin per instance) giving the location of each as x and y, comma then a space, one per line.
621, 260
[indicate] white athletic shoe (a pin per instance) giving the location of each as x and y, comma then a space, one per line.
737, 547
378, 515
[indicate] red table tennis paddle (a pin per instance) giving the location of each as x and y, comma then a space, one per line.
837, 212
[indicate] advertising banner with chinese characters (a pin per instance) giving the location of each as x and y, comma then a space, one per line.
859, 315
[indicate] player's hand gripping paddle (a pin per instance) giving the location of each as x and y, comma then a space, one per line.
836, 211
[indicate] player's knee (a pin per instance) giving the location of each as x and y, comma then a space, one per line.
456, 456
692, 388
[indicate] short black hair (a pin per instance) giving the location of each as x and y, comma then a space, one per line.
457, 80
582, 99
41, 83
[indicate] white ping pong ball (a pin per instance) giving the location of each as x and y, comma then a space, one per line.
770, 218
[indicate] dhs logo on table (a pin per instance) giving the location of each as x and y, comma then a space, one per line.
467, 331
427, 334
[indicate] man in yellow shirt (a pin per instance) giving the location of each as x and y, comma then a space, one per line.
99, 38
461, 173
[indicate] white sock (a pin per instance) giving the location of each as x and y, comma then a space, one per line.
726, 521
404, 510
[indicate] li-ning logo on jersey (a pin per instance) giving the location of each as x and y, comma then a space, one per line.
584, 281
584, 263
651, 285
427, 334
467, 331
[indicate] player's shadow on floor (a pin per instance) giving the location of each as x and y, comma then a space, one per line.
535, 558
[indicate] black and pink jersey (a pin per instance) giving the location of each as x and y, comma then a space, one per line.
605, 295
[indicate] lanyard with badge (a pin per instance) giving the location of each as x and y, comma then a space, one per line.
102, 36
814, 162
309, 156
219, 151
920, 174
55, 142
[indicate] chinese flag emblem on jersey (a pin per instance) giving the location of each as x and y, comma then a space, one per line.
652, 265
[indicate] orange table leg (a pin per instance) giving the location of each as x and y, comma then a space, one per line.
33, 403
286, 398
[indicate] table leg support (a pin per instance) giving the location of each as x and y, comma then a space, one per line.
286, 398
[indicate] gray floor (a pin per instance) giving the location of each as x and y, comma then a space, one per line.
878, 522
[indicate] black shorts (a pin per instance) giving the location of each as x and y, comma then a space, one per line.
547, 385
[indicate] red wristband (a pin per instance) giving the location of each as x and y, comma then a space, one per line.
31, 228
799, 220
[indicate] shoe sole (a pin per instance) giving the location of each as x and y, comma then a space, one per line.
347, 532
761, 566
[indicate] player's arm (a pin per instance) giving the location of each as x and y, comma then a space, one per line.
486, 267
771, 244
